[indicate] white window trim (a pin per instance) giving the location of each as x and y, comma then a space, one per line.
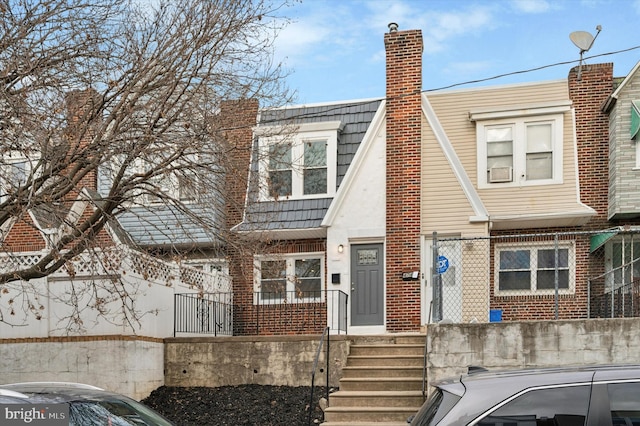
637, 144
519, 116
172, 192
570, 245
297, 136
15, 157
290, 278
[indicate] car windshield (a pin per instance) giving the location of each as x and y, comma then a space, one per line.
115, 412
436, 407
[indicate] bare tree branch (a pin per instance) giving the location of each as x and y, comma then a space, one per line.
111, 105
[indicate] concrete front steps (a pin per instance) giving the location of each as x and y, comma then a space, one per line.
381, 383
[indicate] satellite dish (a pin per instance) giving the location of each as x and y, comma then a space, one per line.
583, 41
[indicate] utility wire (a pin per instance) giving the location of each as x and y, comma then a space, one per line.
531, 69
345, 105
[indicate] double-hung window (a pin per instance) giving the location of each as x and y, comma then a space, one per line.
15, 172
298, 163
521, 146
181, 184
289, 279
531, 269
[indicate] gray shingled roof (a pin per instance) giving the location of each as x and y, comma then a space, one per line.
168, 226
356, 117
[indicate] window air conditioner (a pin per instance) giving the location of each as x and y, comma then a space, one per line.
500, 174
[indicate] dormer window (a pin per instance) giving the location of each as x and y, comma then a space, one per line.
520, 145
298, 162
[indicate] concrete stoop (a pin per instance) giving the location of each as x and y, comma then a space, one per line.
381, 383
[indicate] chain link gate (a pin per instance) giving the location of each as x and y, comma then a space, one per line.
542, 276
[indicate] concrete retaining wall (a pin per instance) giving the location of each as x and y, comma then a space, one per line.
274, 360
125, 365
509, 345
134, 366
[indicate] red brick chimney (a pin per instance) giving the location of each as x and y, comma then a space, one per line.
82, 107
404, 118
234, 125
588, 95
236, 121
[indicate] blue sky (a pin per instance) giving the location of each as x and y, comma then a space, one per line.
334, 49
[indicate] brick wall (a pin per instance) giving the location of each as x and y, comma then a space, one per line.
82, 107
234, 125
404, 85
277, 319
592, 130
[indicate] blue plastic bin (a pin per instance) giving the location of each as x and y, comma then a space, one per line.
495, 315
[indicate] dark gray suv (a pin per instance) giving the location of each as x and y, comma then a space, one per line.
584, 396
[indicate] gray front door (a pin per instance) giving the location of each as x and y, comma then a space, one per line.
367, 281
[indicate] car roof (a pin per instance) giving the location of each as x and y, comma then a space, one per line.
481, 390
59, 391
510, 381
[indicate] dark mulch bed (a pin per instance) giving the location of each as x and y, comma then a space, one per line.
237, 405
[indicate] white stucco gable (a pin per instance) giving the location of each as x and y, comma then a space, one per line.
357, 214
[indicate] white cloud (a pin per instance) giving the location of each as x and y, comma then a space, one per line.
331, 27
531, 6
444, 27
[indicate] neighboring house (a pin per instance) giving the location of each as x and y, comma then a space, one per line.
127, 280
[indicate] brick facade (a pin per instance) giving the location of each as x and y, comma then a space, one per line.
592, 131
403, 121
277, 319
587, 94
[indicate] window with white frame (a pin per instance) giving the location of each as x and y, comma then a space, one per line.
289, 279
299, 163
518, 149
531, 269
181, 184
15, 172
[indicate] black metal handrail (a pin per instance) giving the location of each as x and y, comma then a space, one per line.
315, 367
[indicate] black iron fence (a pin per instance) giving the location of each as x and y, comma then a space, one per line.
208, 313
270, 313
616, 293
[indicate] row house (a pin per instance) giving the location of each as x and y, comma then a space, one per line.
145, 263
382, 215
452, 204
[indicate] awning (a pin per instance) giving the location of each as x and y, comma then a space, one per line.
598, 240
635, 118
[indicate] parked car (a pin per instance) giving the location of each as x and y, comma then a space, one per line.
74, 404
569, 396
